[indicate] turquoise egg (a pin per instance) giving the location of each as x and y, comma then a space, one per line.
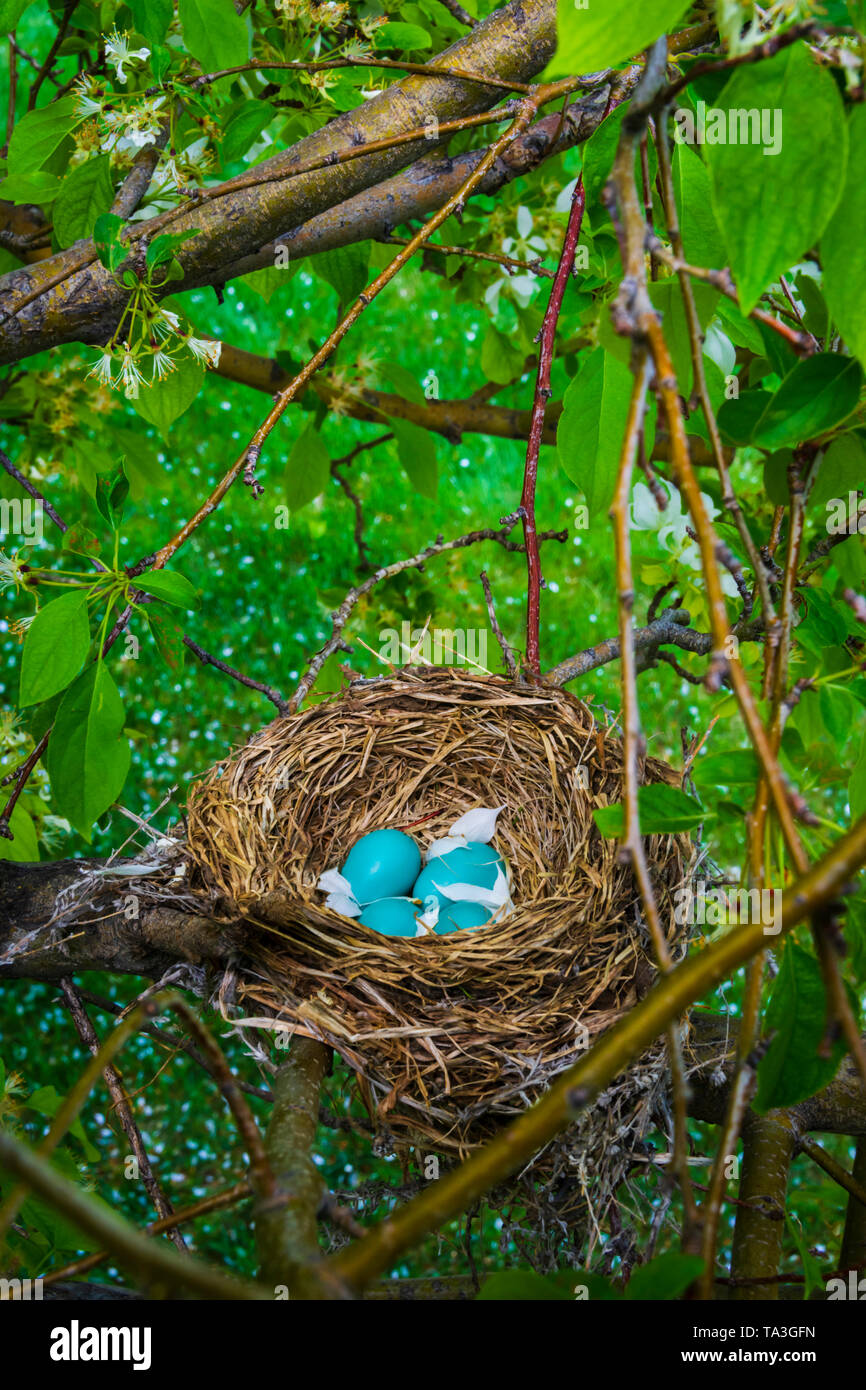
474, 863
459, 915
391, 916
383, 864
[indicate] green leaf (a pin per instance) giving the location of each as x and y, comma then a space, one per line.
111, 493
169, 586
599, 153
85, 194
666, 1277
819, 393
406, 37
162, 248
842, 470
244, 129
55, 647
308, 470
165, 401
703, 243
590, 428
797, 1014
416, 450
843, 246
738, 418
37, 135
24, 848
266, 282
152, 18
39, 188
737, 767
602, 35
404, 383
106, 238
344, 269
46, 1101
168, 636
10, 13
502, 358
772, 208
88, 757
140, 463
214, 33
667, 297
663, 810
80, 540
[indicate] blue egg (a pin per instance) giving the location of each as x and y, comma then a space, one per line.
383, 864
459, 915
474, 863
391, 916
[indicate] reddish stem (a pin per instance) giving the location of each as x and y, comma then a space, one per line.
536, 428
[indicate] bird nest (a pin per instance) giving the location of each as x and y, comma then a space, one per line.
447, 1036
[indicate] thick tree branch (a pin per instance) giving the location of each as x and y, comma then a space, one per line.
71, 296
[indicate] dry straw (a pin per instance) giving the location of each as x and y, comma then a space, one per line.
447, 1036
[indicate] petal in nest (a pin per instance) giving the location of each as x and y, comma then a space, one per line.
478, 825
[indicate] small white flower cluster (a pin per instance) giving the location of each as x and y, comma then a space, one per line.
121, 366
118, 52
671, 525
123, 128
526, 247
13, 571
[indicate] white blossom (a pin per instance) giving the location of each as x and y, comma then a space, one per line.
103, 369
671, 526
204, 350
118, 52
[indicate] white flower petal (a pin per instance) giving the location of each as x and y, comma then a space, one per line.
645, 515
444, 846
478, 825
496, 897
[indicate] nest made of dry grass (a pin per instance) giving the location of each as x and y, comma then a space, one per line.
445, 1035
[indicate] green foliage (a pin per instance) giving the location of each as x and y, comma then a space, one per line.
88, 757
594, 412
416, 450
796, 1065
308, 470
165, 401
55, 648
843, 252
152, 18
214, 33
37, 135
817, 394
171, 587
595, 36
85, 195
10, 13
771, 208
663, 810
126, 464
